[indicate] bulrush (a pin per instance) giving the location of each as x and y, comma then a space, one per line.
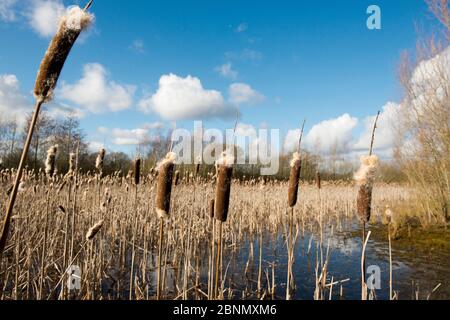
163, 193
164, 185
294, 178
50, 162
211, 208
100, 160
318, 180
70, 26
92, 232
223, 186
365, 177
177, 177
137, 171
72, 166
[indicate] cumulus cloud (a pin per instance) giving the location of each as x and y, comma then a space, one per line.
243, 94
180, 98
131, 137
44, 16
13, 104
226, 71
95, 146
7, 11
385, 134
325, 136
96, 93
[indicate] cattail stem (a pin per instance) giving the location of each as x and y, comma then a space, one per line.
12, 200
390, 263
363, 268
161, 237
218, 260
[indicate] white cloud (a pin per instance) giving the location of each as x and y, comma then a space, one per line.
131, 137
61, 111
96, 93
325, 136
227, 71
241, 93
333, 133
180, 98
13, 104
7, 12
385, 134
44, 16
242, 27
95, 146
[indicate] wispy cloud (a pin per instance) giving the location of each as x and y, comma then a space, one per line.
241, 27
138, 46
243, 94
226, 71
7, 10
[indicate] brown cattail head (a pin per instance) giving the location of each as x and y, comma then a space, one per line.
100, 160
318, 180
50, 163
365, 178
223, 186
177, 177
94, 230
164, 185
211, 208
72, 23
294, 179
137, 171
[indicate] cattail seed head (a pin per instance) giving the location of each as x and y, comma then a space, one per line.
164, 185
50, 162
211, 208
71, 24
137, 171
294, 179
365, 178
223, 186
94, 230
177, 178
100, 160
318, 180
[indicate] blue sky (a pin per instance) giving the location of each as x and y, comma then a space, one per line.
291, 60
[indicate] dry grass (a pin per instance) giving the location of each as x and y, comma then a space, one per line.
52, 220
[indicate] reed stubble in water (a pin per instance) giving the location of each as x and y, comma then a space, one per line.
71, 25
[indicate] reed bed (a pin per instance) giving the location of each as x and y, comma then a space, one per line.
54, 222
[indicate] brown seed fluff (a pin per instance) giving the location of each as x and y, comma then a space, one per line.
70, 28
137, 171
294, 179
94, 230
164, 185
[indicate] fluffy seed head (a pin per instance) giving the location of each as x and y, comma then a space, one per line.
94, 230
100, 159
367, 170
50, 162
164, 185
365, 177
71, 24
